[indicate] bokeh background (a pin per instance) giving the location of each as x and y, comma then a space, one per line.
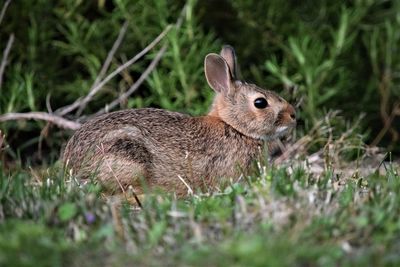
319, 55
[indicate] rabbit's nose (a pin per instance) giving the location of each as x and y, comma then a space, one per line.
292, 113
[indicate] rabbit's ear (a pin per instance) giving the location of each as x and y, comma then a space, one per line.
217, 73
228, 53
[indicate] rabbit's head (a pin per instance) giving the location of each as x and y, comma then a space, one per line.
249, 109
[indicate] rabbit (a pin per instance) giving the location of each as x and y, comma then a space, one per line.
150, 148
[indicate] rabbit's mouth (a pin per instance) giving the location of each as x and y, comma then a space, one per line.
282, 130
279, 132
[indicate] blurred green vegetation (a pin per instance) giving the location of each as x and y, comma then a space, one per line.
320, 56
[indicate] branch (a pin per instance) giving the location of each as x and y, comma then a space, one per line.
5, 56
57, 120
179, 21
105, 67
65, 110
136, 85
3, 10
387, 124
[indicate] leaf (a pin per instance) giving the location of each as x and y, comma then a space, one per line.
297, 51
342, 31
157, 231
67, 211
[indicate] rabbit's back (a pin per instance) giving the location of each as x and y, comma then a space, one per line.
111, 132
160, 146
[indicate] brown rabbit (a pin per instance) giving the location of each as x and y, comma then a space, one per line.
162, 149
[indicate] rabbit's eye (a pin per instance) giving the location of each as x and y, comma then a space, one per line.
261, 103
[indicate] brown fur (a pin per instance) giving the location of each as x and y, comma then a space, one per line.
152, 147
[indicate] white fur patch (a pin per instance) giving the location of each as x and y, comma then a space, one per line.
280, 131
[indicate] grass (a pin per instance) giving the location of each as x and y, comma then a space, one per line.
336, 206
285, 216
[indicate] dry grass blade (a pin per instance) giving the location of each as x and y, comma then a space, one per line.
190, 190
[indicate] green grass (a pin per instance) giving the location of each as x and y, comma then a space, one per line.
275, 219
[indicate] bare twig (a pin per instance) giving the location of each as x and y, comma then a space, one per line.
48, 105
65, 110
57, 120
387, 124
5, 56
3, 10
179, 22
104, 68
136, 85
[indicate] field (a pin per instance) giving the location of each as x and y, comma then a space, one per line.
330, 196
